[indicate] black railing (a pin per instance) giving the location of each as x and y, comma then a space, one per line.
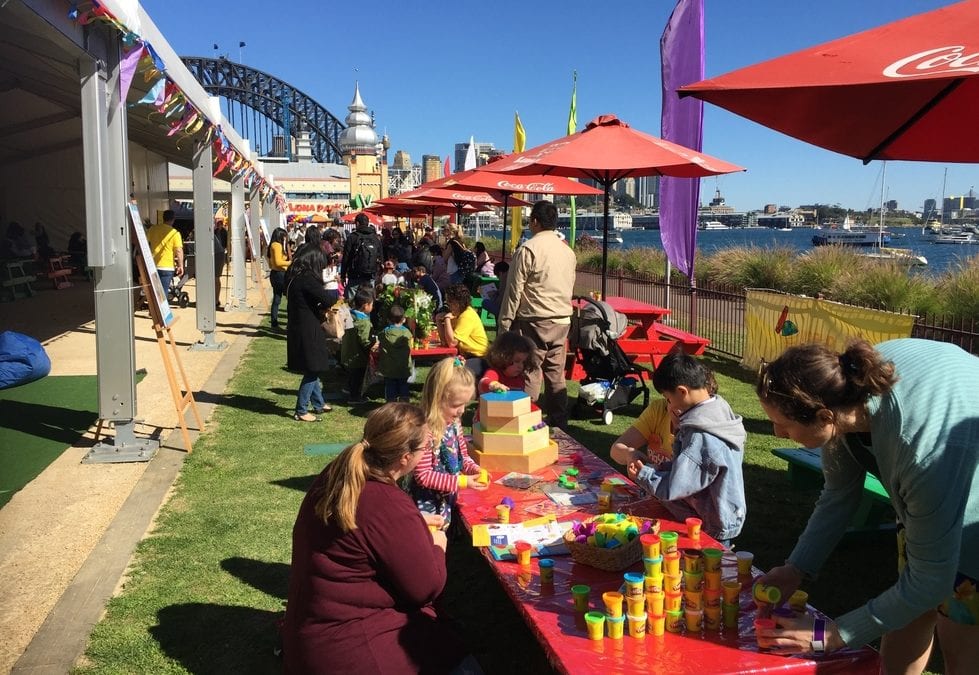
720, 310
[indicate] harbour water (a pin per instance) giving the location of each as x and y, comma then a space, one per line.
940, 257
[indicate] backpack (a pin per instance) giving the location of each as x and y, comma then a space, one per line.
465, 261
365, 256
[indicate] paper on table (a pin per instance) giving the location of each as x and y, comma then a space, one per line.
547, 538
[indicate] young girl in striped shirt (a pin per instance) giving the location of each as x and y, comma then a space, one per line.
447, 468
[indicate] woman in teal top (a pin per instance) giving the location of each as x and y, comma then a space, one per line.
908, 412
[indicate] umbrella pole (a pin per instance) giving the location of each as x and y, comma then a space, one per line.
607, 187
506, 211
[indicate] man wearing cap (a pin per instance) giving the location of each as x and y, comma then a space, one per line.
536, 303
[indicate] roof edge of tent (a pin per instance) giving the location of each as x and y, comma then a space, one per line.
141, 24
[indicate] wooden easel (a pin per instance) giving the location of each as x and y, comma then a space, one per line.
183, 398
164, 335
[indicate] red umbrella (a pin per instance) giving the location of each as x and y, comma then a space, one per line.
398, 207
607, 150
461, 197
374, 218
508, 184
905, 90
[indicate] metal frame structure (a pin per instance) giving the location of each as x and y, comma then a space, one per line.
270, 100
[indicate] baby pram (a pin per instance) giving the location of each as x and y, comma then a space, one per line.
176, 294
611, 379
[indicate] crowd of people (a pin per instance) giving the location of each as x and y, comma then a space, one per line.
902, 411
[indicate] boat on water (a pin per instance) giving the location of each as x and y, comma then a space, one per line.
712, 225
956, 238
897, 255
851, 235
850, 238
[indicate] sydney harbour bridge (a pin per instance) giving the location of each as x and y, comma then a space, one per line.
271, 113
268, 111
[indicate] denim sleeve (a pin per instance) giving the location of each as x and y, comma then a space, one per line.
686, 475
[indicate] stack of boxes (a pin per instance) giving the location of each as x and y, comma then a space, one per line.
510, 436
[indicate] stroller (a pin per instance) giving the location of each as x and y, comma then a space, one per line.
611, 381
176, 294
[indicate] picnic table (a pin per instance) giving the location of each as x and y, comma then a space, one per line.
549, 611
646, 340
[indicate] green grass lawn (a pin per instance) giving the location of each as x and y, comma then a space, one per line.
206, 587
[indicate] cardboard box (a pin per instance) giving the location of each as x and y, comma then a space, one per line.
533, 461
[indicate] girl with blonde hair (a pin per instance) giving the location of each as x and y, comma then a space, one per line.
446, 467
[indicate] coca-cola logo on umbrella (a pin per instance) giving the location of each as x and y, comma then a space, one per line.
948, 60
525, 187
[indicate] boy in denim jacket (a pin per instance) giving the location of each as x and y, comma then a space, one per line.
703, 479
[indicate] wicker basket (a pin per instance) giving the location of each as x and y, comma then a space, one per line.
608, 559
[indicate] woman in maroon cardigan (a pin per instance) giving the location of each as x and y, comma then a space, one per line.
365, 567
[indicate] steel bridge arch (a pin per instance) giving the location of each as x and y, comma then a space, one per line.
278, 101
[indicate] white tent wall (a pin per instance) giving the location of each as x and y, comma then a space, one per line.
149, 181
50, 190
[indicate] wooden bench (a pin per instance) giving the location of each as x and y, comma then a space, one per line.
14, 277
485, 317
806, 472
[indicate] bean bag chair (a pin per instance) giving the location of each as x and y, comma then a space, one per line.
22, 359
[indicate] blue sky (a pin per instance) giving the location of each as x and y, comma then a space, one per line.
435, 73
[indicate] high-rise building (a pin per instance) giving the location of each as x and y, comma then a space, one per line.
484, 152
647, 191
431, 167
402, 161
930, 208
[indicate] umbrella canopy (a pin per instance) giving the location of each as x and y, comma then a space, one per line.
608, 150
316, 218
453, 195
906, 90
374, 218
406, 208
508, 184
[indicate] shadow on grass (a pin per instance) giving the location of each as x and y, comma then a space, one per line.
62, 425
253, 404
219, 639
269, 577
301, 483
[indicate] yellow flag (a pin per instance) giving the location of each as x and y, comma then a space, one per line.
516, 218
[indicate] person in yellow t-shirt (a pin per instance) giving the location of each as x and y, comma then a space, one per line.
653, 429
461, 328
168, 249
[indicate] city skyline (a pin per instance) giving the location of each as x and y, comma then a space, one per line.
520, 59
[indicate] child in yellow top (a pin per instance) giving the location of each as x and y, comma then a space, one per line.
460, 327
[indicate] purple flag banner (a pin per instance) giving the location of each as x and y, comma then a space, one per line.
682, 56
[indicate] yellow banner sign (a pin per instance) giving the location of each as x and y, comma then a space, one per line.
774, 321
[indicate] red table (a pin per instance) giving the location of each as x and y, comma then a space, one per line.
641, 316
549, 610
437, 352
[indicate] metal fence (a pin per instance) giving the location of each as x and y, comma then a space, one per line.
720, 310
